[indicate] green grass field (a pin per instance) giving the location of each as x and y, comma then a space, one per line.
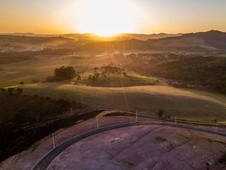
30, 71
149, 99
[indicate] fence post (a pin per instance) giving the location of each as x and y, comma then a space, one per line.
71, 110
97, 122
53, 139
82, 99
136, 116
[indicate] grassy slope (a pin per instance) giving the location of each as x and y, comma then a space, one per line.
29, 71
150, 98
121, 81
16, 110
182, 103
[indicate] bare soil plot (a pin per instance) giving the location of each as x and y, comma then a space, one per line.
141, 147
166, 139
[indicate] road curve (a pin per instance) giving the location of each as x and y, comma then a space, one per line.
47, 159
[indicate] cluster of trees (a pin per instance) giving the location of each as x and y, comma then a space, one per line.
106, 72
66, 73
19, 111
161, 114
192, 71
22, 109
11, 90
63, 73
207, 73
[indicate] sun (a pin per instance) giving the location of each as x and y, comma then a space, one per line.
106, 17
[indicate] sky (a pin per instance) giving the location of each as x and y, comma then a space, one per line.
112, 16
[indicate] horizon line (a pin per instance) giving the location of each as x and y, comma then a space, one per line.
124, 33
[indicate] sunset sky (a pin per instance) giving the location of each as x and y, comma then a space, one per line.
108, 17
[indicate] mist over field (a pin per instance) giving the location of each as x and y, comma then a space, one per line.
115, 84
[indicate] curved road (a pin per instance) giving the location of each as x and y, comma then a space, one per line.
47, 159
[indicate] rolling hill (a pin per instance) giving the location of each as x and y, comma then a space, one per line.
32, 42
202, 41
211, 41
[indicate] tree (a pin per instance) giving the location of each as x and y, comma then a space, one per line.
3, 90
10, 90
160, 113
90, 77
19, 90
65, 73
79, 78
125, 74
168, 116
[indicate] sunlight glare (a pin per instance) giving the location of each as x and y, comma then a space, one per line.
106, 17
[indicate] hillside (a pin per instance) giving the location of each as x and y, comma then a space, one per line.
32, 43
205, 72
203, 41
211, 41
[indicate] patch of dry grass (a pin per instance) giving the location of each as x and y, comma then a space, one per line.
175, 102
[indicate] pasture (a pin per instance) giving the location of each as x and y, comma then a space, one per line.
182, 103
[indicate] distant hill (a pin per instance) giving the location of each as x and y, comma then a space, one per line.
202, 41
194, 42
22, 42
120, 37
211, 41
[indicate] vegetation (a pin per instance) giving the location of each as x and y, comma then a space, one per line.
113, 76
160, 139
160, 113
18, 70
15, 57
26, 119
11, 90
62, 73
18, 110
119, 81
180, 70
175, 102
202, 72
106, 72
19, 90
222, 159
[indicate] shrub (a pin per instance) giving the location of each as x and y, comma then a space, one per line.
222, 159
160, 139
65, 73
168, 116
160, 113
61, 74
79, 78
3, 90
19, 90
10, 90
